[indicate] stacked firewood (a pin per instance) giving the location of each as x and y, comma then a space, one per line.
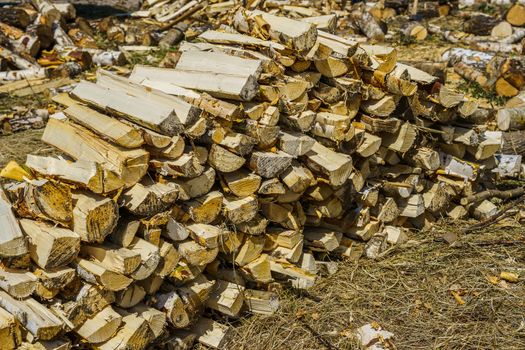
41, 39
270, 146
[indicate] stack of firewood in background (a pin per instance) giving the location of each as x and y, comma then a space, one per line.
186, 195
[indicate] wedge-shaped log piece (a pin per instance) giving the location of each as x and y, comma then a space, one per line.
223, 160
134, 334
250, 250
83, 173
171, 151
36, 318
131, 296
261, 302
322, 239
268, 164
297, 177
107, 127
242, 183
381, 108
100, 327
206, 235
284, 269
227, 298
160, 117
49, 246
94, 216
148, 198
125, 232
229, 86
296, 35
336, 166
302, 122
94, 272
272, 187
238, 210
169, 259
150, 258
225, 38
403, 140
90, 300
412, 207
235, 142
255, 227
211, 333
51, 282
295, 143
187, 165
9, 331
172, 305
114, 258
195, 187
155, 318
12, 240
42, 199
18, 283
258, 270
202, 210
196, 254
129, 165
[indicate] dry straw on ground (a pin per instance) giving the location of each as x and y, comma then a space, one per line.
410, 293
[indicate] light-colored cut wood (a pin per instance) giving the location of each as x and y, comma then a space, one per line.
49, 246
100, 327
12, 241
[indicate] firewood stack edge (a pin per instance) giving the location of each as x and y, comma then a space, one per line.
186, 196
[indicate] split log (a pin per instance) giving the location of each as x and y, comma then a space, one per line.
36, 318
42, 199
480, 24
50, 247
18, 283
511, 118
150, 258
196, 187
211, 333
294, 34
336, 166
125, 232
202, 210
52, 282
86, 174
164, 120
261, 302
9, 327
134, 334
130, 165
240, 210
155, 318
94, 216
169, 259
195, 254
101, 327
119, 260
94, 272
15, 16
148, 198
90, 300
223, 160
269, 165
107, 127
242, 183
227, 298
414, 31
131, 296
13, 242
501, 30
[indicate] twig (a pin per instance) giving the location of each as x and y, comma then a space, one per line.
500, 215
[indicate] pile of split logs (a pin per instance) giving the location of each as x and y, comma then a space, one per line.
184, 194
41, 39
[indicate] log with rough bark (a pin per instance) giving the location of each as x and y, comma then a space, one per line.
367, 24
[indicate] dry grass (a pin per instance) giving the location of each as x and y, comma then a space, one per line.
408, 293
17, 146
